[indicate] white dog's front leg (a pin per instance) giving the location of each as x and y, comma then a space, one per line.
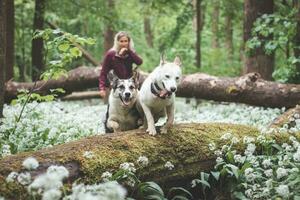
150, 120
113, 125
170, 118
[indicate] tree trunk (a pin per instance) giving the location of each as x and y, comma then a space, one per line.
249, 89
229, 35
215, 24
3, 34
37, 52
185, 146
198, 24
109, 32
287, 118
148, 31
10, 30
258, 61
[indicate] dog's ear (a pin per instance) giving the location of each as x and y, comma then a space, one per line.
162, 59
113, 79
136, 78
177, 61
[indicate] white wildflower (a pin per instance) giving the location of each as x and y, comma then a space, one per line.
169, 165
248, 139
239, 159
249, 174
24, 178
225, 148
249, 193
143, 161
269, 172
281, 172
128, 166
219, 160
269, 183
226, 136
265, 192
59, 171
30, 163
218, 153
106, 176
88, 154
250, 149
104, 191
292, 138
6, 150
12, 177
235, 140
212, 146
283, 190
267, 163
261, 139
52, 194
44, 182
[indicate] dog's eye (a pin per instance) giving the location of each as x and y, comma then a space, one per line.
122, 87
177, 78
131, 87
167, 76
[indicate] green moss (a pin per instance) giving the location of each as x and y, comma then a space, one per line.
185, 146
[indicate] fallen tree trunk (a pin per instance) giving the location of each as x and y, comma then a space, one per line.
288, 118
249, 89
77, 79
185, 146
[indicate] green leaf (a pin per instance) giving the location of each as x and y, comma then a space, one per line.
58, 90
64, 47
216, 175
239, 195
234, 170
230, 157
204, 176
153, 197
148, 189
180, 198
90, 41
75, 52
179, 192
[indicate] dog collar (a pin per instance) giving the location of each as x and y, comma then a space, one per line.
155, 89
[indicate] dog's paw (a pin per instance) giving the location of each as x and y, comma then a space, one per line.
164, 130
151, 131
114, 125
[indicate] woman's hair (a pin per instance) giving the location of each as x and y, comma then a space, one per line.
118, 37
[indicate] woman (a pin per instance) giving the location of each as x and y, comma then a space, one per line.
120, 59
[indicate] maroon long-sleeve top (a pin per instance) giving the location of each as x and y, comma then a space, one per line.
122, 66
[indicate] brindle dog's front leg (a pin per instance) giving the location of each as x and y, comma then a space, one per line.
113, 125
170, 118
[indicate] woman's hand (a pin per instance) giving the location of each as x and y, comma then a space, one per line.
102, 93
123, 51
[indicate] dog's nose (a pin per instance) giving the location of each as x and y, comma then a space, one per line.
127, 94
173, 89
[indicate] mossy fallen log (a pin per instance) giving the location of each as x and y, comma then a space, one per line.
185, 146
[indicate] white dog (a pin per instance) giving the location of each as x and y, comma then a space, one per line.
121, 112
157, 94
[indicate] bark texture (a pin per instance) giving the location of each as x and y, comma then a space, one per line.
258, 61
